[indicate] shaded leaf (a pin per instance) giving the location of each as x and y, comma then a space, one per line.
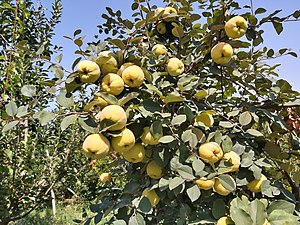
193, 193
67, 121
28, 90
10, 125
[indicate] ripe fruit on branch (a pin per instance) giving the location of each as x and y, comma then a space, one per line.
97, 101
210, 152
169, 14
236, 27
204, 183
124, 142
161, 28
148, 138
152, 196
175, 67
112, 84
153, 170
89, 71
135, 154
96, 146
123, 67
107, 62
114, 114
105, 177
234, 159
221, 53
133, 76
220, 189
225, 220
255, 185
206, 118
159, 49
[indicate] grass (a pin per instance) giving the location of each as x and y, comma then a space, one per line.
64, 216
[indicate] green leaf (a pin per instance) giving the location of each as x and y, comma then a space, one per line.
227, 181
178, 120
193, 192
163, 184
28, 90
173, 98
10, 125
110, 99
119, 222
78, 42
65, 99
219, 208
76, 32
239, 215
198, 166
136, 219
254, 132
44, 117
278, 27
186, 172
280, 217
88, 124
11, 108
280, 204
58, 58
145, 205
118, 43
22, 111
156, 129
226, 124
260, 10
175, 182
227, 144
257, 212
245, 118
67, 121
166, 139
127, 98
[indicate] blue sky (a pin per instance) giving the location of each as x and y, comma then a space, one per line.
86, 15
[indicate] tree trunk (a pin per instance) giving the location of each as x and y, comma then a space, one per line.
53, 201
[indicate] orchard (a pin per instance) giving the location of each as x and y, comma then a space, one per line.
179, 113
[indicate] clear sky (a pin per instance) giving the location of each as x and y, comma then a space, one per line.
86, 15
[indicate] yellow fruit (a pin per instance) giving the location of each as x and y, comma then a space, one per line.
148, 138
88, 71
161, 28
153, 170
225, 220
152, 196
175, 67
123, 67
267, 222
158, 10
133, 76
107, 62
255, 185
96, 146
236, 27
201, 94
220, 189
136, 154
159, 49
116, 115
234, 159
206, 118
210, 152
112, 84
204, 183
221, 53
124, 142
169, 14
105, 177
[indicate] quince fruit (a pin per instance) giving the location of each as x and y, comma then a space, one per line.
96, 146
105, 177
135, 154
107, 62
175, 67
210, 152
124, 141
221, 53
220, 189
234, 159
236, 27
123, 67
89, 71
115, 114
148, 138
255, 185
153, 170
152, 196
133, 76
169, 14
206, 118
159, 49
225, 220
204, 183
112, 84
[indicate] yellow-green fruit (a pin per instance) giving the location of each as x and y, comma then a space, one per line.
158, 10
255, 185
124, 142
210, 152
116, 115
89, 71
159, 49
133, 76
206, 118
107, 62
105, 177
175, 67
204, 183
97, 101
225, 220
152, 196
236, 27
161, 28
96, 146
221, 53
148, 138
220, 189
123, 67
112, 84
136, 154
234, 159
153, 170
169, 14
